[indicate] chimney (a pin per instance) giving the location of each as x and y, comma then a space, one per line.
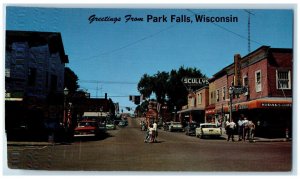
105, 95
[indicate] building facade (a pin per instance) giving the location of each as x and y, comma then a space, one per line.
265, 77
34, 78
197, 101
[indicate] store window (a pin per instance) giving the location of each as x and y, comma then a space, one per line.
258, 81
283, 79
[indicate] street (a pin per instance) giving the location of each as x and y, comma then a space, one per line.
124, 150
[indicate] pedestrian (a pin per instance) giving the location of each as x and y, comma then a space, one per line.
226, 126
230, 130
251, 130
240, 128
245, 129
155, 131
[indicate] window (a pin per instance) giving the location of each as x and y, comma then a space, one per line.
283, 79
258, 81
200, 98
31, 76
224, 93
218, 95
245, 81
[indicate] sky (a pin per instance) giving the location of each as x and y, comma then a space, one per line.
117, 54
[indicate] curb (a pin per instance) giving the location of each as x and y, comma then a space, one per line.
34, 143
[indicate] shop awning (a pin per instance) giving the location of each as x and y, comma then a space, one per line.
265, 103
191, 109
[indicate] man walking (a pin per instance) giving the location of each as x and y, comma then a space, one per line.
155, 131
231, 126
240, 128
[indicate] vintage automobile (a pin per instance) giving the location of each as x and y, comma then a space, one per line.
123, 123
87, 128
176, 126
208, 130
110, 126
190, 129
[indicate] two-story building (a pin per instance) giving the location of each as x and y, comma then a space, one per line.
34, 77
197, 101
266, 77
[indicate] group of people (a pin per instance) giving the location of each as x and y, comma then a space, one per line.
151, 133
246, 129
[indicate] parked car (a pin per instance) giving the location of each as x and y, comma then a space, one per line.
87, 128
175, 126
123, 123
208, 130
190, 129
110, 126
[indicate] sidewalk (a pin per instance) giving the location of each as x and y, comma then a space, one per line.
257, 139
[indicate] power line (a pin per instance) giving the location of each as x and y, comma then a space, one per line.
132, 43
107, 82
230, 31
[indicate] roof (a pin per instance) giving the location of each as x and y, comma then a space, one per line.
36, 38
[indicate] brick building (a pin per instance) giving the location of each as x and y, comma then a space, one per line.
266, 73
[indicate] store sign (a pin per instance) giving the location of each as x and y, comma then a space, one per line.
276, 104
195, 81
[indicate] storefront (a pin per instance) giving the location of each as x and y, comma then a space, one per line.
210, 113
193, 114
272, 116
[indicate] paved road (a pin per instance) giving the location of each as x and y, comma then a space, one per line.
125, 150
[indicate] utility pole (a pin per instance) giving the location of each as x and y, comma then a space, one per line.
249, 30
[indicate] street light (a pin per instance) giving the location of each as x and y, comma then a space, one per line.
230, 97
66, 92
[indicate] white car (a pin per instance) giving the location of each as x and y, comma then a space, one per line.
208, 130
175, 126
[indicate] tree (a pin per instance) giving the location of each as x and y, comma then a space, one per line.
145, 85
71, 80
177, 91
170, 84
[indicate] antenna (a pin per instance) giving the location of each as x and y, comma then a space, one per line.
249, 25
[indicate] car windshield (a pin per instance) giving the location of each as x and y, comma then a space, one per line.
176, 123
209, 126
85, 124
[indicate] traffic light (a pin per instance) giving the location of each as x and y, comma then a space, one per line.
137, 100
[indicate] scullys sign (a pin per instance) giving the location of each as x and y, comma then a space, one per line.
195, 81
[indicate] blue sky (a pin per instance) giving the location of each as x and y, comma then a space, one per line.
123, 52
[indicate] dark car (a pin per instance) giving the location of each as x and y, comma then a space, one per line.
166, 125
190, 129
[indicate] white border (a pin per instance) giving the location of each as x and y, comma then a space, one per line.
216, 4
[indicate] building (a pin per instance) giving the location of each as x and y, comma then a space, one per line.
197, 101
262, 83
34, 77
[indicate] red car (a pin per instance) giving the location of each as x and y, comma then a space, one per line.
87, 128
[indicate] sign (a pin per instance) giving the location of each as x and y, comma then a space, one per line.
195, 81
276, 104
240, 90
